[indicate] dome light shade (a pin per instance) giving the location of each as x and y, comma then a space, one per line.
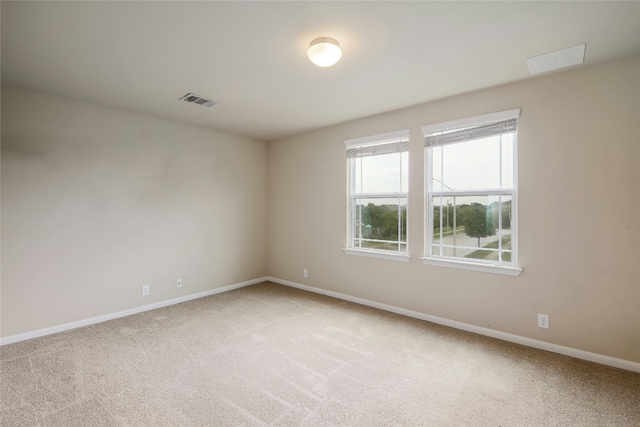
324, 52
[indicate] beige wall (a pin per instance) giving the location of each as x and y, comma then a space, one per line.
97, 202
579, 162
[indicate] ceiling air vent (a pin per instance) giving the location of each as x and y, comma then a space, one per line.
195, 99
554, 60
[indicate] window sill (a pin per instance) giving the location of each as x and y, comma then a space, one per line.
487, 268
394, 256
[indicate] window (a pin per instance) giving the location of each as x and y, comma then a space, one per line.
378, 173
471, 193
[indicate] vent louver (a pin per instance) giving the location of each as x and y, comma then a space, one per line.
554, 60
195, 99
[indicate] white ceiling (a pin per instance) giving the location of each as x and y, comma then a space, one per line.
251, 56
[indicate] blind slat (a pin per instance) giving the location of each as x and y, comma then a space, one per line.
376, 150
470, 133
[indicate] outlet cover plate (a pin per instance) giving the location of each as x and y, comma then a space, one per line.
543, 321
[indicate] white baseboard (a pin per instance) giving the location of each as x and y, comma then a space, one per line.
86, 322
541, 345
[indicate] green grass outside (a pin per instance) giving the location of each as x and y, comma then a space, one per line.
480, 254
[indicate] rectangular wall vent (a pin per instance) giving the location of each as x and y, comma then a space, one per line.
195, 99
554, 60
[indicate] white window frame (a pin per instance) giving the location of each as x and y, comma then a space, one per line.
511, 268
401, 139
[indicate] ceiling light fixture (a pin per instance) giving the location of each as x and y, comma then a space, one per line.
324, 52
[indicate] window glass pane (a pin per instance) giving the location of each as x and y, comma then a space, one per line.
356, 222
436, 169
404, 188
383, 223
477, 227
472, 224
356, 171
507, 161
505, 215
443, 220
385, 173
386, 246
471, 165
451, 251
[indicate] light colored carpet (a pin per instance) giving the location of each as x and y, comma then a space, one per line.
272, 355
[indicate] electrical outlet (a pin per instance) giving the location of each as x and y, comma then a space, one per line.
305, 272
179, 283
543, 321
145, 290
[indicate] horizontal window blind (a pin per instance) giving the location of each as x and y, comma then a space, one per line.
374, 145
378, 149
469, 133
